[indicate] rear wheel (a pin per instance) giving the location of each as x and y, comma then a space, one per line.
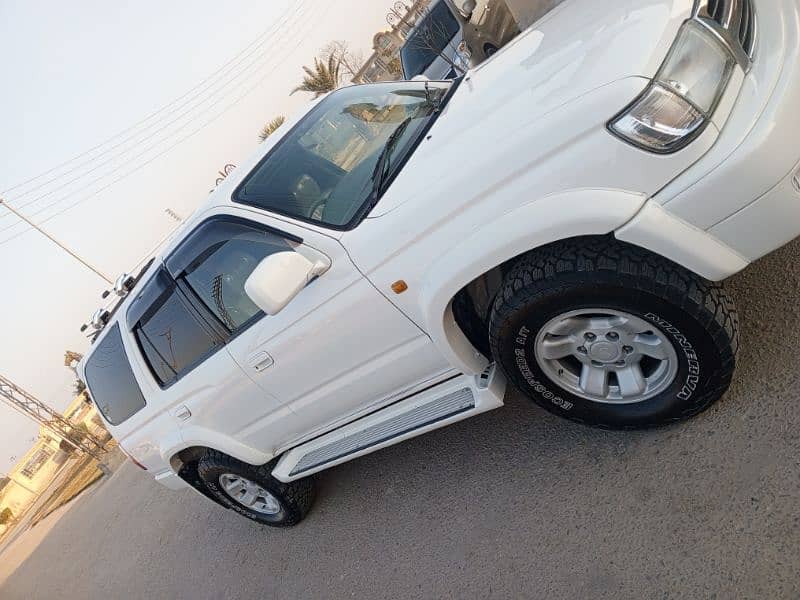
613, 336
253, 492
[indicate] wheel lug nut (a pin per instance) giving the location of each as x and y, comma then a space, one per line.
612, 335
590, 336
627, 349
582, 350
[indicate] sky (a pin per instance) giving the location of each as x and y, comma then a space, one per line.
112, 113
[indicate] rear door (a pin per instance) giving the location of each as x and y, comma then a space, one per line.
196, 391
339, 348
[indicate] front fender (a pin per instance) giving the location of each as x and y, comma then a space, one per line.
545, 220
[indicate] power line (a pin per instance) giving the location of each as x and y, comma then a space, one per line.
147, 150
259, 62
151, 115
150, 160
74, 255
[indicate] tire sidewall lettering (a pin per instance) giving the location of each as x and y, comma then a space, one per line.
521, 361
693, 378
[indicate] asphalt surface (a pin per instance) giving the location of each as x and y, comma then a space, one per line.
512, 504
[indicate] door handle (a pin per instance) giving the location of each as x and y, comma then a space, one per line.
182, 413
260, 361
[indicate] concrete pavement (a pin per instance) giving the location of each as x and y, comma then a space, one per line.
512, 504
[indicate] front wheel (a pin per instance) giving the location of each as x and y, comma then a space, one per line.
613, 336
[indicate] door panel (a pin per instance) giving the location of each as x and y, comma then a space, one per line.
348, 353
337, 348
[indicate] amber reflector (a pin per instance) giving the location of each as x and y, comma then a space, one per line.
400, 286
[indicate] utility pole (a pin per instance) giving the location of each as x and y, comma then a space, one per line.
35, 409
81, 260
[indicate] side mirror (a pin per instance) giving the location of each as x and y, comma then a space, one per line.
468, 8
279, 278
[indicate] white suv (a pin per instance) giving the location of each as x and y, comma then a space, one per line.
560, 217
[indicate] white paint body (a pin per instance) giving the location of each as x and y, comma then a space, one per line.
520, 157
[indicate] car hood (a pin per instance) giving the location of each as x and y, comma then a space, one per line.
579, 47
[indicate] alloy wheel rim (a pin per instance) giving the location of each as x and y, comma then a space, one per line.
249, 494
606, 356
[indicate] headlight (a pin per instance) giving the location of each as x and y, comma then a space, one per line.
463, 56
674, 110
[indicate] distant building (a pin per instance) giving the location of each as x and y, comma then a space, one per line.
33, 473
36, 469
384, 62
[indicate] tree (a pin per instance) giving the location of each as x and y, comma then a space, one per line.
395, 67
78, 387
6, 516
270, 127
433, 35
323, 78
350, 60
71, 359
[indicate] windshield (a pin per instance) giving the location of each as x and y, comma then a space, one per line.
428, 40
332, 166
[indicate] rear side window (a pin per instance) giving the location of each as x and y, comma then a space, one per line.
110, 380
173, 337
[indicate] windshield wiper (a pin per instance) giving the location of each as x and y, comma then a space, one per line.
382, 166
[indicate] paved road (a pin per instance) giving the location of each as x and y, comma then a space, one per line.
512, 504
44, 497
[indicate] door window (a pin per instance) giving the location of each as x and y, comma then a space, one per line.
197, 302
215, 262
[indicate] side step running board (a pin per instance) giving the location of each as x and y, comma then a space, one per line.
446, 403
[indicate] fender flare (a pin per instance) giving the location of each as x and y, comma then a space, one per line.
656, 229
539, 222
199, 436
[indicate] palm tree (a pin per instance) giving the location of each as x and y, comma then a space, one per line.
270, 127
323, 78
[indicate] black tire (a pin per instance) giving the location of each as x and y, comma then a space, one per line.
490, 50
295, 498
697, 316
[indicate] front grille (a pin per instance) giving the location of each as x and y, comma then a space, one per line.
747, 30
734, 22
